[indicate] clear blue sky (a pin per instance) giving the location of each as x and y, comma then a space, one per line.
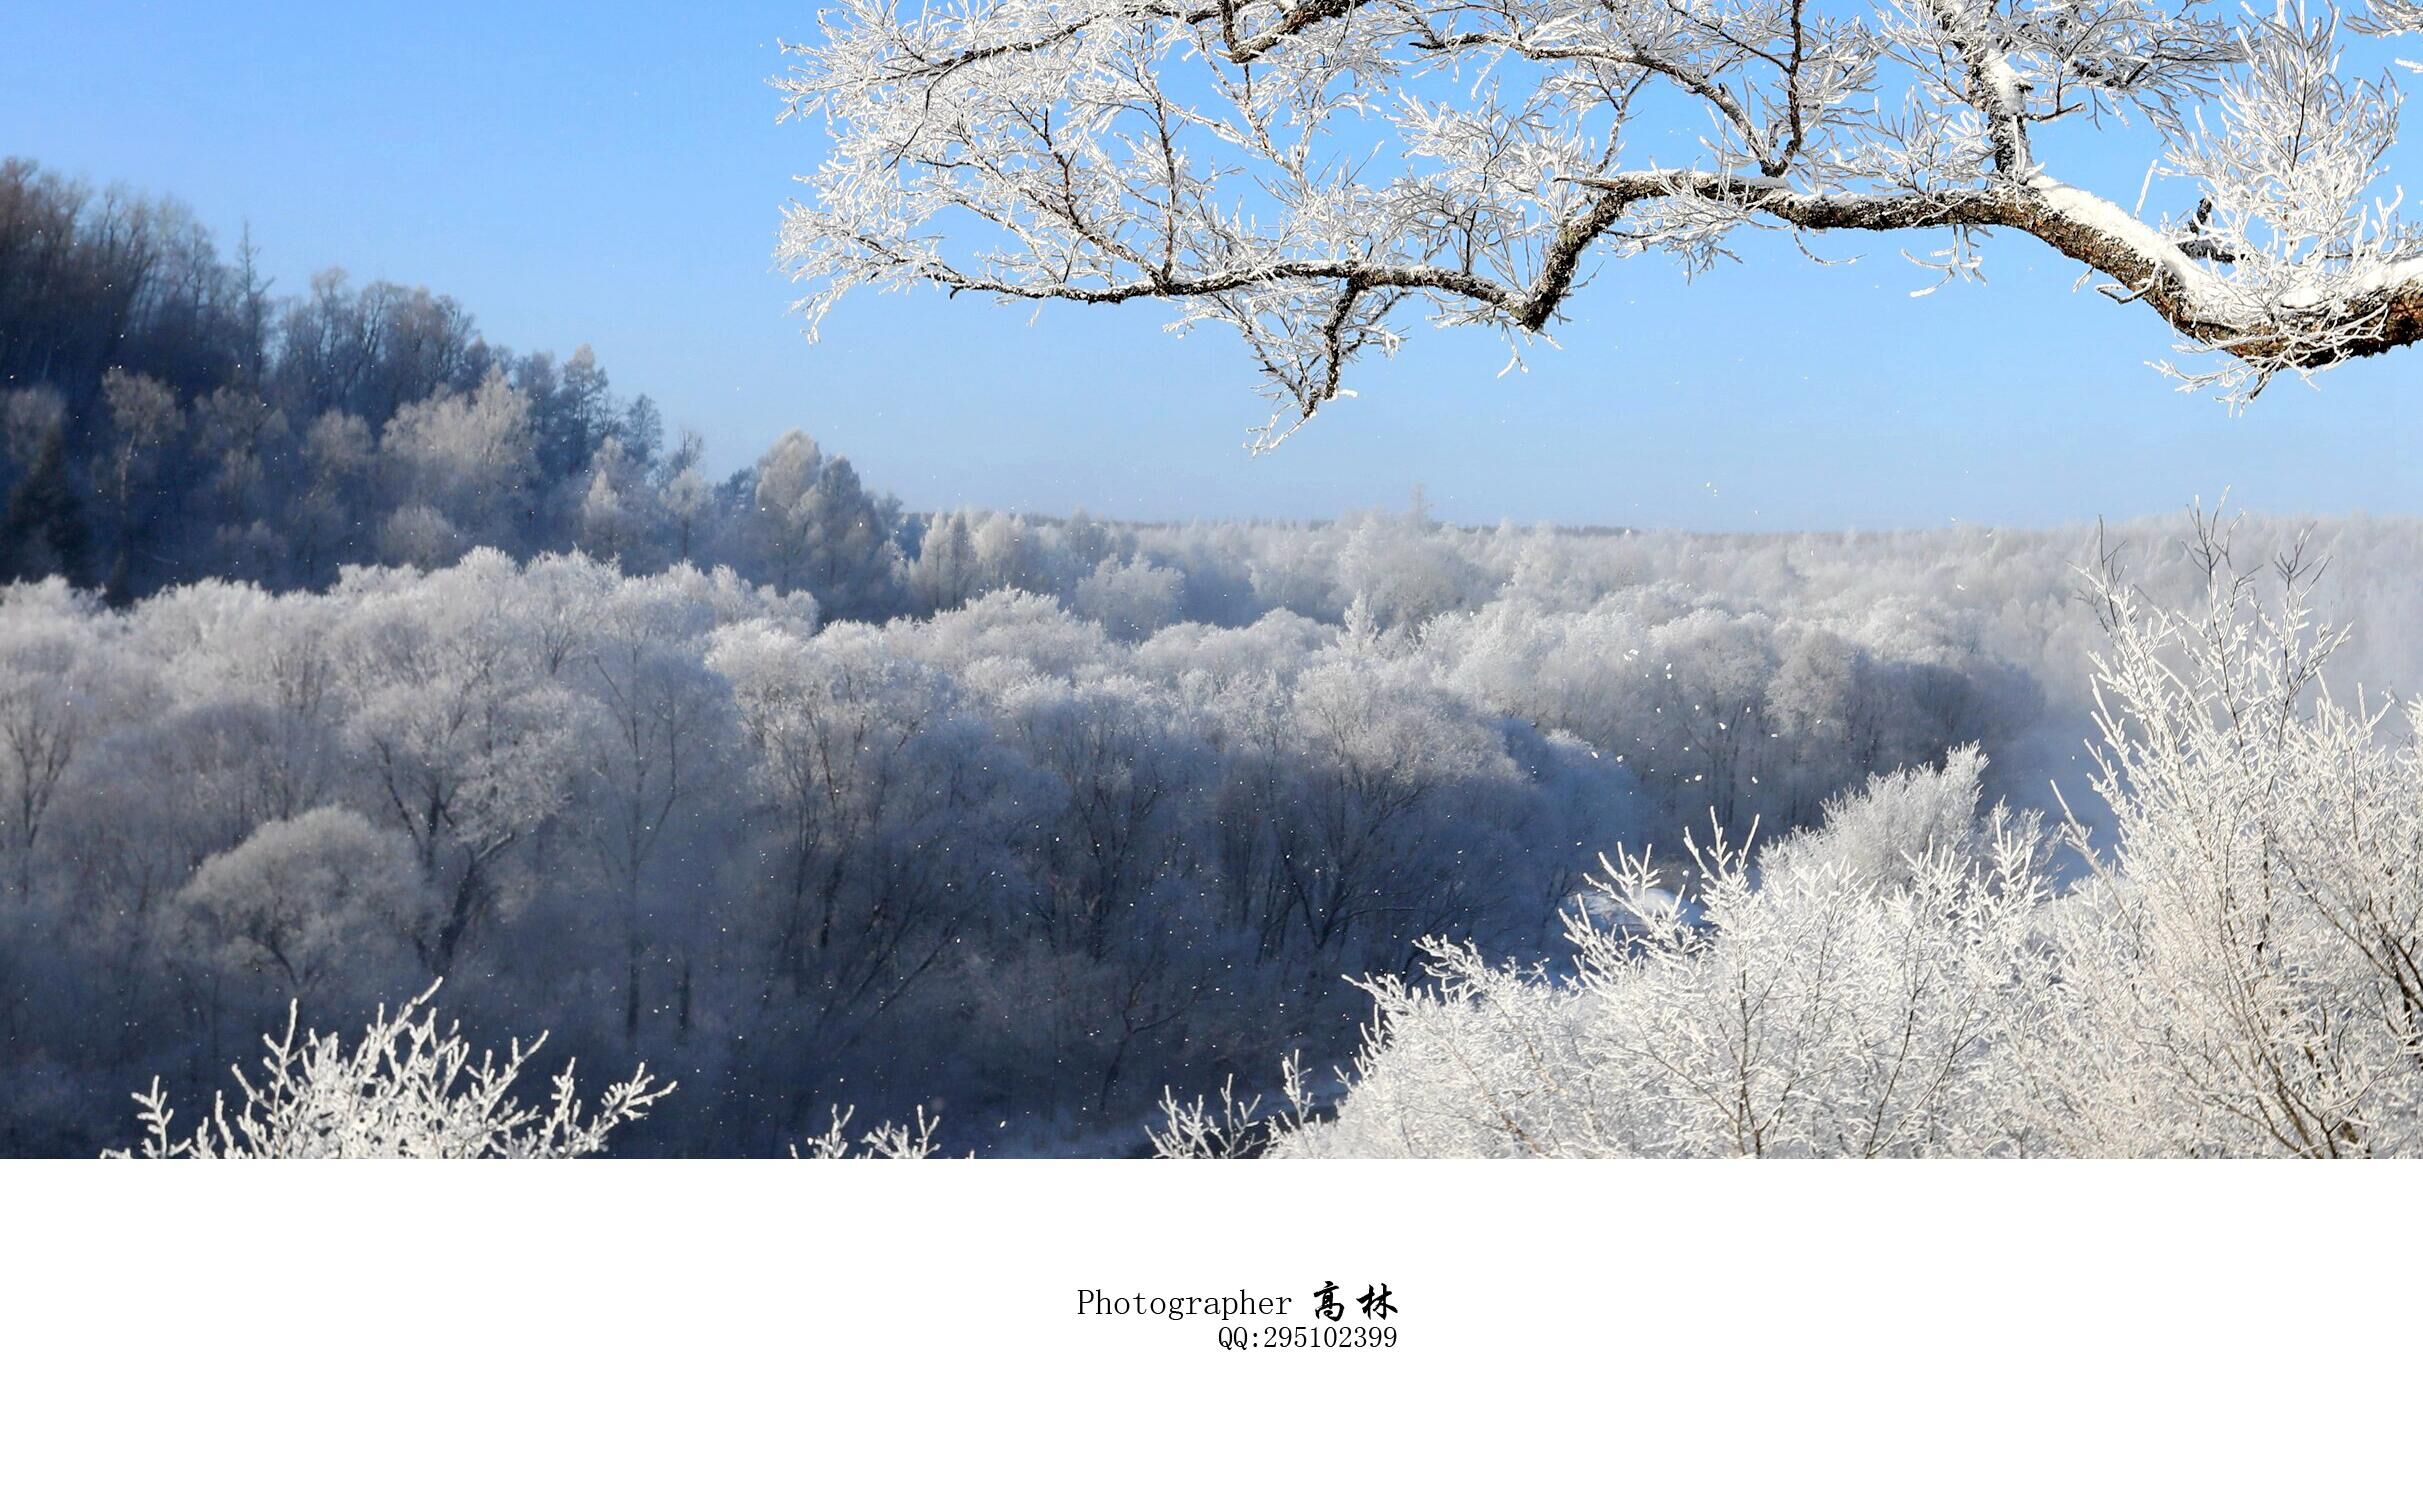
612, 173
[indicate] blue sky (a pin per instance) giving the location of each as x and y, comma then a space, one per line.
613, 173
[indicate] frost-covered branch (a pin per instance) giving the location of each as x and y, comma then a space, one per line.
1317, 174
2238, 972
1235, 1129
405, 1090
886, 1142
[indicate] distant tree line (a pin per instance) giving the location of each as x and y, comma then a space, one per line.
165, 419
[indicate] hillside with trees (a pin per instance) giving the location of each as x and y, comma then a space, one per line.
165, 419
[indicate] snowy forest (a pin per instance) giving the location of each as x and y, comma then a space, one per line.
380, 697
346, 653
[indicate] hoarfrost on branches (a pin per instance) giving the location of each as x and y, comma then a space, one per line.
1317, 174
888, 1141
405, 1090
2234, 975
1234, 1130
1055, 867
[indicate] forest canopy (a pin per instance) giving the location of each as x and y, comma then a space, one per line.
342, 652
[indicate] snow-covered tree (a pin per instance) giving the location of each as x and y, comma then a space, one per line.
945, 573
406, 1090
1132, 600
618, 509
309, 896
687, 501
2239, 971
144, 422
885, 1142
51, 674
1316, 173
459, 464
1406, 569
1822, 1011
866, 774
2234, 975
469, 742
653, 747
815, 527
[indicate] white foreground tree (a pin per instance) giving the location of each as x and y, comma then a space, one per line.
888, 1141
1317, 173
2235, 974
406, 1090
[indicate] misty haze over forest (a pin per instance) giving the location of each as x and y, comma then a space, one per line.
345, 651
